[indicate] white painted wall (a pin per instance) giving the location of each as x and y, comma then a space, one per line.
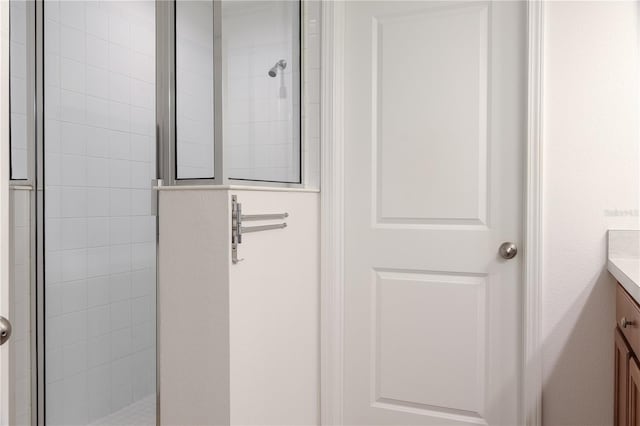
238, 343
591, 166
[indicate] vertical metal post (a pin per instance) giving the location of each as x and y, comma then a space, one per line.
38, 218
221, 176
165, 91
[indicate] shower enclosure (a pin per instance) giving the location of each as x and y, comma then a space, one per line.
109, 100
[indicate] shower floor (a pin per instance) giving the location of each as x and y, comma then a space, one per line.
140, 413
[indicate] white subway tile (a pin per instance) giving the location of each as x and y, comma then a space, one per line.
119, 144
73, 137
119, 230
119, 287
141, 310
75, 358
97, 21
141, 148
119, 259
97, 231
120, 314
119, 88
72, 43
72, 106
74, 170
98, 350
73, 202
74, 296
118, 30
97, 112
54, 360
119, 174
73, 233
98, 261
74, 264
99, 321
76, 410
97, 172
98, 202
97, 291
74, 327
52, 75
52, 37
72, 13
99, 391
72, 75
97, 142
95, 82
53, 299
143, 67
120, 343
119, 202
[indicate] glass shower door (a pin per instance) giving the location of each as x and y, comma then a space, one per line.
100, 238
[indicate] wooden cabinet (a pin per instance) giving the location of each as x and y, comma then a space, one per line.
627, 369
622, 357
633, 393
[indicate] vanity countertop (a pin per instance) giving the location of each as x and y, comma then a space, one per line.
624, 260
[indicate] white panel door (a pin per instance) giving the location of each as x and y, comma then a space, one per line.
435, 102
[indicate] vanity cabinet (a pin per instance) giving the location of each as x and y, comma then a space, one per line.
633, 394
627, 369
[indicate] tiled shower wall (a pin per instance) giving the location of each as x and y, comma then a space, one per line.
99, 235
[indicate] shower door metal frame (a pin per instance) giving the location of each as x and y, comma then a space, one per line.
39, 202
166, 103
37, 235
166, 98
33, 184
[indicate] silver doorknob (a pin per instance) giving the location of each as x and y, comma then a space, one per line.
508, 250
5, 330
624, 323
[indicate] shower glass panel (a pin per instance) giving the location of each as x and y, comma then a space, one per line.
260, 90
194, 83
261, 84
19, 90
100, 239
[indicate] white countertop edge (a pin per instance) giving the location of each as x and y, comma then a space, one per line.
624, 278
233, 188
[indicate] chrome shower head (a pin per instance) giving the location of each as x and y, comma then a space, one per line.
281, 64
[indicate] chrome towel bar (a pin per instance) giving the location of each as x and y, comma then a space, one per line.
246, 229
237, 229
264, 216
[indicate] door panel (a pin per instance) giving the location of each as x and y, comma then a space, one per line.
633, 394
435, 112
622, 355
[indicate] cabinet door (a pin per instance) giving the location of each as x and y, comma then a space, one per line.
622, 355
633, 393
